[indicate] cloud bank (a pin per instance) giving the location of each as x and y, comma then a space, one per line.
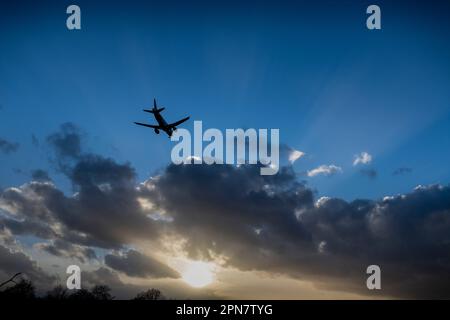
249, 222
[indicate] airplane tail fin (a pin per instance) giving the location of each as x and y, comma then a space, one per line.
154, 110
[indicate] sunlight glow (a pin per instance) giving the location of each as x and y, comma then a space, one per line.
198, 274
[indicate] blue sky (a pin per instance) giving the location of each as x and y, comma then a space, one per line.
332, 87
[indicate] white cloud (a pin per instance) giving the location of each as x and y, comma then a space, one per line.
321, 201
294, 155
362, 158
322, 246
327, 170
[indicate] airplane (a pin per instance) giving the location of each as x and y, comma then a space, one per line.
162, 124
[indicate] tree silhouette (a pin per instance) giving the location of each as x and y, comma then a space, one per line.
150, 294
57, 293
102, 292
25, 290
22, 290
10, 279
98, 292
81, 294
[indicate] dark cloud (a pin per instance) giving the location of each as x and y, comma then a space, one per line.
401, 171
135, 264
61, 248
66, 145
221, 202
266, 223
94, 170
106, 205
25, 205
370, 173
29, 226
12, 262
8, 147
236, 212
40, 175
66, 142
104, 212
273, 224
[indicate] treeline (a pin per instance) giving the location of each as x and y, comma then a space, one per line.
25, 290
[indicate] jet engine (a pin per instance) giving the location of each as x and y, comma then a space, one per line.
156, 131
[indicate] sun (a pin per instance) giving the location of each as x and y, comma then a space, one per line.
198, 274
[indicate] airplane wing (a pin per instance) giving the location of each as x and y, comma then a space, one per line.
148, 125
179, 122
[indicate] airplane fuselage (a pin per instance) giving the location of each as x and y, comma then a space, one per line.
163, 124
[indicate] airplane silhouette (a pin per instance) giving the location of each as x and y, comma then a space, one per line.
162, 124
